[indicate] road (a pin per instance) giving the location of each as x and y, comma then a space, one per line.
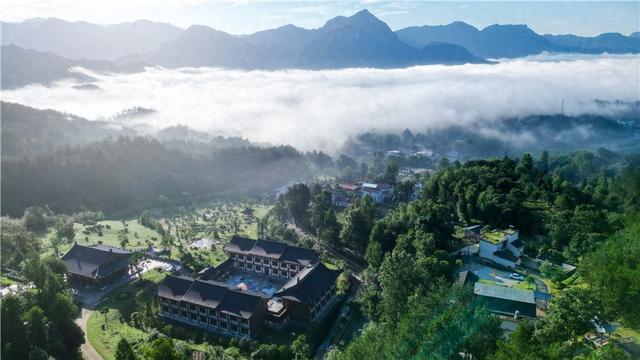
88, 352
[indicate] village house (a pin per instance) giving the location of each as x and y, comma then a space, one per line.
501, 246
96, 265
263, 283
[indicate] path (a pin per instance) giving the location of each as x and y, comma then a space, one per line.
88, 352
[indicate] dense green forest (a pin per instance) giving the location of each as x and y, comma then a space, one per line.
125, 173
407, 291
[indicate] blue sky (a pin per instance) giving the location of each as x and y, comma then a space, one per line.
246, 16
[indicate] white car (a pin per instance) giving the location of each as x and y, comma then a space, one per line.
516, 276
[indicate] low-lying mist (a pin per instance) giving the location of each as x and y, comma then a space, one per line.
324, 109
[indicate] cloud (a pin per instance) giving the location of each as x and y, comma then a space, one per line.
323, 109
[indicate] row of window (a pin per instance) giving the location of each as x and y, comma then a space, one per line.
196, 309
264, 269
214, 324
326, 297
265, 261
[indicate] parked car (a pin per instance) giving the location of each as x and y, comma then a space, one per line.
516, 276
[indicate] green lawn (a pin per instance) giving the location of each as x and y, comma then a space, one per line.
525, 286
104, 334
138, 235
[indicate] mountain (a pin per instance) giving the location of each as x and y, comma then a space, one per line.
361, 40
27, 131
82, 40
497, 41
21, 67
614, 43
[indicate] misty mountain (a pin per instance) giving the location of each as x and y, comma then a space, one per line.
498, 41
27, 131
82, 40
21, 67
511, 136
613, 43
361, 40
495, 41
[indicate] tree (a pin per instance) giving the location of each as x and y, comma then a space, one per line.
124, 351
300, 348
17, 242
38, 354
343, 282
36, 218
64, 229
569, 316
36, 327
359, 220
613, 273
297, 200
162, 349
14, 341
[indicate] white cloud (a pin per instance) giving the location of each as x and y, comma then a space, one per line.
323, 109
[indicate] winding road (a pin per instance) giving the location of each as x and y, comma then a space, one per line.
88, 352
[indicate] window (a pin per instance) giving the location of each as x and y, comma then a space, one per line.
183, 314
203, 319
194, 317
274, 263
165, 308
244, 331
174, 311
249, 266
203, 309
241, 265
265, 261
258, 268
234, 328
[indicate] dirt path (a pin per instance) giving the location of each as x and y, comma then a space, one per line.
88, 352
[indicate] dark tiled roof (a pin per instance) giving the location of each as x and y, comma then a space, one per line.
270, 249
95, 261
174, 287
240, 245
211, 294
273, 250
309, 284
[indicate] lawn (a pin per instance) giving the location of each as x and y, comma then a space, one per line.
138, 235
105, 330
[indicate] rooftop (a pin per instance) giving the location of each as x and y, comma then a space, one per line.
494, 236
95, 261
273, 250
503, 292
211, 294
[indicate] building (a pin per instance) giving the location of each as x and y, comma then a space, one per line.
96, 265
211, 306
508, 301
263, 283
269, 257
502, 247
377, 192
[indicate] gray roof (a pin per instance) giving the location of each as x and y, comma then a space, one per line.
211, 294
309, 284
96, 261
503, 292
272, 249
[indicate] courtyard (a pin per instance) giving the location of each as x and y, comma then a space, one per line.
251, 281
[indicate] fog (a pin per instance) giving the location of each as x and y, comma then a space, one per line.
323, 109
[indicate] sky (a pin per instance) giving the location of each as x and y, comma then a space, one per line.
246, 16
322, 110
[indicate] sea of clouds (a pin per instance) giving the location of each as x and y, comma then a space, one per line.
323, 109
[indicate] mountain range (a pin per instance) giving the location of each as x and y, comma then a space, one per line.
42, 50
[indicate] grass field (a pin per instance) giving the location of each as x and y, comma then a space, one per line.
139, 236
105, 330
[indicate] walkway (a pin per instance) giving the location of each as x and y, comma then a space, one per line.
88, 352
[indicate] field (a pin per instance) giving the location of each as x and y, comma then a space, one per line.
214, 221
105, 330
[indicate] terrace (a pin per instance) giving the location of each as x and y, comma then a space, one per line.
494, 236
